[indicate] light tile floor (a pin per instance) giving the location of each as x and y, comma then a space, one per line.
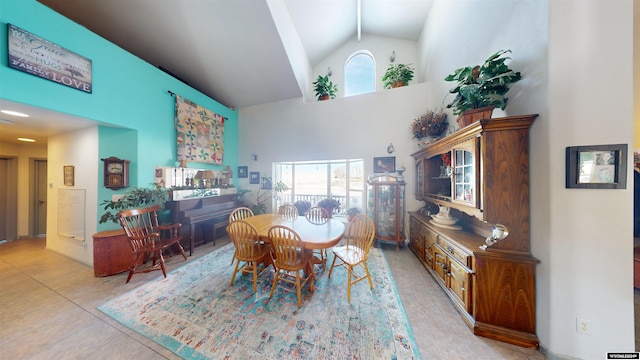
48, 310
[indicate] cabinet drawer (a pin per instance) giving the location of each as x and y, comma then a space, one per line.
429, 235
455, 252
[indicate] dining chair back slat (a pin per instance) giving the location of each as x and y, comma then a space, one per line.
290, 256
355, 252
288, 212
248, 250
317, 215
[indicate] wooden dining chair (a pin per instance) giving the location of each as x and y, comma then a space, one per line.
354, 254
239, 214
319, 215
249, 250
147, 238
288, 212
291, 258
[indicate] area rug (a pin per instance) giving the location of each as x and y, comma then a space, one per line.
194, 313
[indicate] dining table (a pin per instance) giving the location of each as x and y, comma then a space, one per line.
314, 236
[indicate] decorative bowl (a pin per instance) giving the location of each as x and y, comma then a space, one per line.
444, 220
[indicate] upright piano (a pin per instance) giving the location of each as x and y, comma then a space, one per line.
202, 218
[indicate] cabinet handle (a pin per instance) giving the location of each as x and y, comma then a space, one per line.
450, 249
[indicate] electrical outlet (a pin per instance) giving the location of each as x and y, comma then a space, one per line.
583, 326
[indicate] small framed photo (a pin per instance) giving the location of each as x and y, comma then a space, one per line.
243, 172
266, 183
254, 177
68, 172
597, 167
384, 164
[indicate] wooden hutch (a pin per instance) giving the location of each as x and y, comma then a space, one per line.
493, 289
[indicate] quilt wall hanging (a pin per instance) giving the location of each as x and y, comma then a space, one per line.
200, 133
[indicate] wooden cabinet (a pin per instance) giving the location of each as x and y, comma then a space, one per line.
111, 253
386, 207
487, 184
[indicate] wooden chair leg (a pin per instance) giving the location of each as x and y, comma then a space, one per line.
255, 277
235, 271
276, 277
366, 269
298, 288
332, 265
349, 284
164, 269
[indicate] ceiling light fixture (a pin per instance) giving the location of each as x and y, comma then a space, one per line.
14, 113
26, 140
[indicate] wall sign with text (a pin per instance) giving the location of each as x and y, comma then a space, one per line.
42, 58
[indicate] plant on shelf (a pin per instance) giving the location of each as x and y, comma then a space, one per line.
482, 86
397, 75
429, 125
324, 88
133, 198
329, 204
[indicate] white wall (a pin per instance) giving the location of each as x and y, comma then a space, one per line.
588, 271
343, 128
24, 153
80, 149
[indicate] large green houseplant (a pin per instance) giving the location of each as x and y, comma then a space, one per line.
482, 86
397, 75
135, 197
324, 88
258, 204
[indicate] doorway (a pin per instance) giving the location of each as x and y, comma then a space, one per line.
38, 211
8, 198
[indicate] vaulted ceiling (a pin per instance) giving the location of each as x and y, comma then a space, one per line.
232, 50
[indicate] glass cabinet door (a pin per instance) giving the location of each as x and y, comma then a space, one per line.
464, 177
419, 178
386, 207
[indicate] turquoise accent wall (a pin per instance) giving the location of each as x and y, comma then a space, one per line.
128, 93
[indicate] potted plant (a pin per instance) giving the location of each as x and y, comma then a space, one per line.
352, 212
136, 197
397, 75
302, 206
324, 88
429, 126
258, 205
481, 88
330, 205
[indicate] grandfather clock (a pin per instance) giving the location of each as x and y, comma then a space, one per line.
116, 173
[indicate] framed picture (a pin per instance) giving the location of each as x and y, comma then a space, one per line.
597, 167
254, 177
384, 164
266, 183
243, 172
68, 175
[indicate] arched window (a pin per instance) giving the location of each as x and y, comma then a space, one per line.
359, 74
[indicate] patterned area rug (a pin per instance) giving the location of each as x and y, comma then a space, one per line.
195, 314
